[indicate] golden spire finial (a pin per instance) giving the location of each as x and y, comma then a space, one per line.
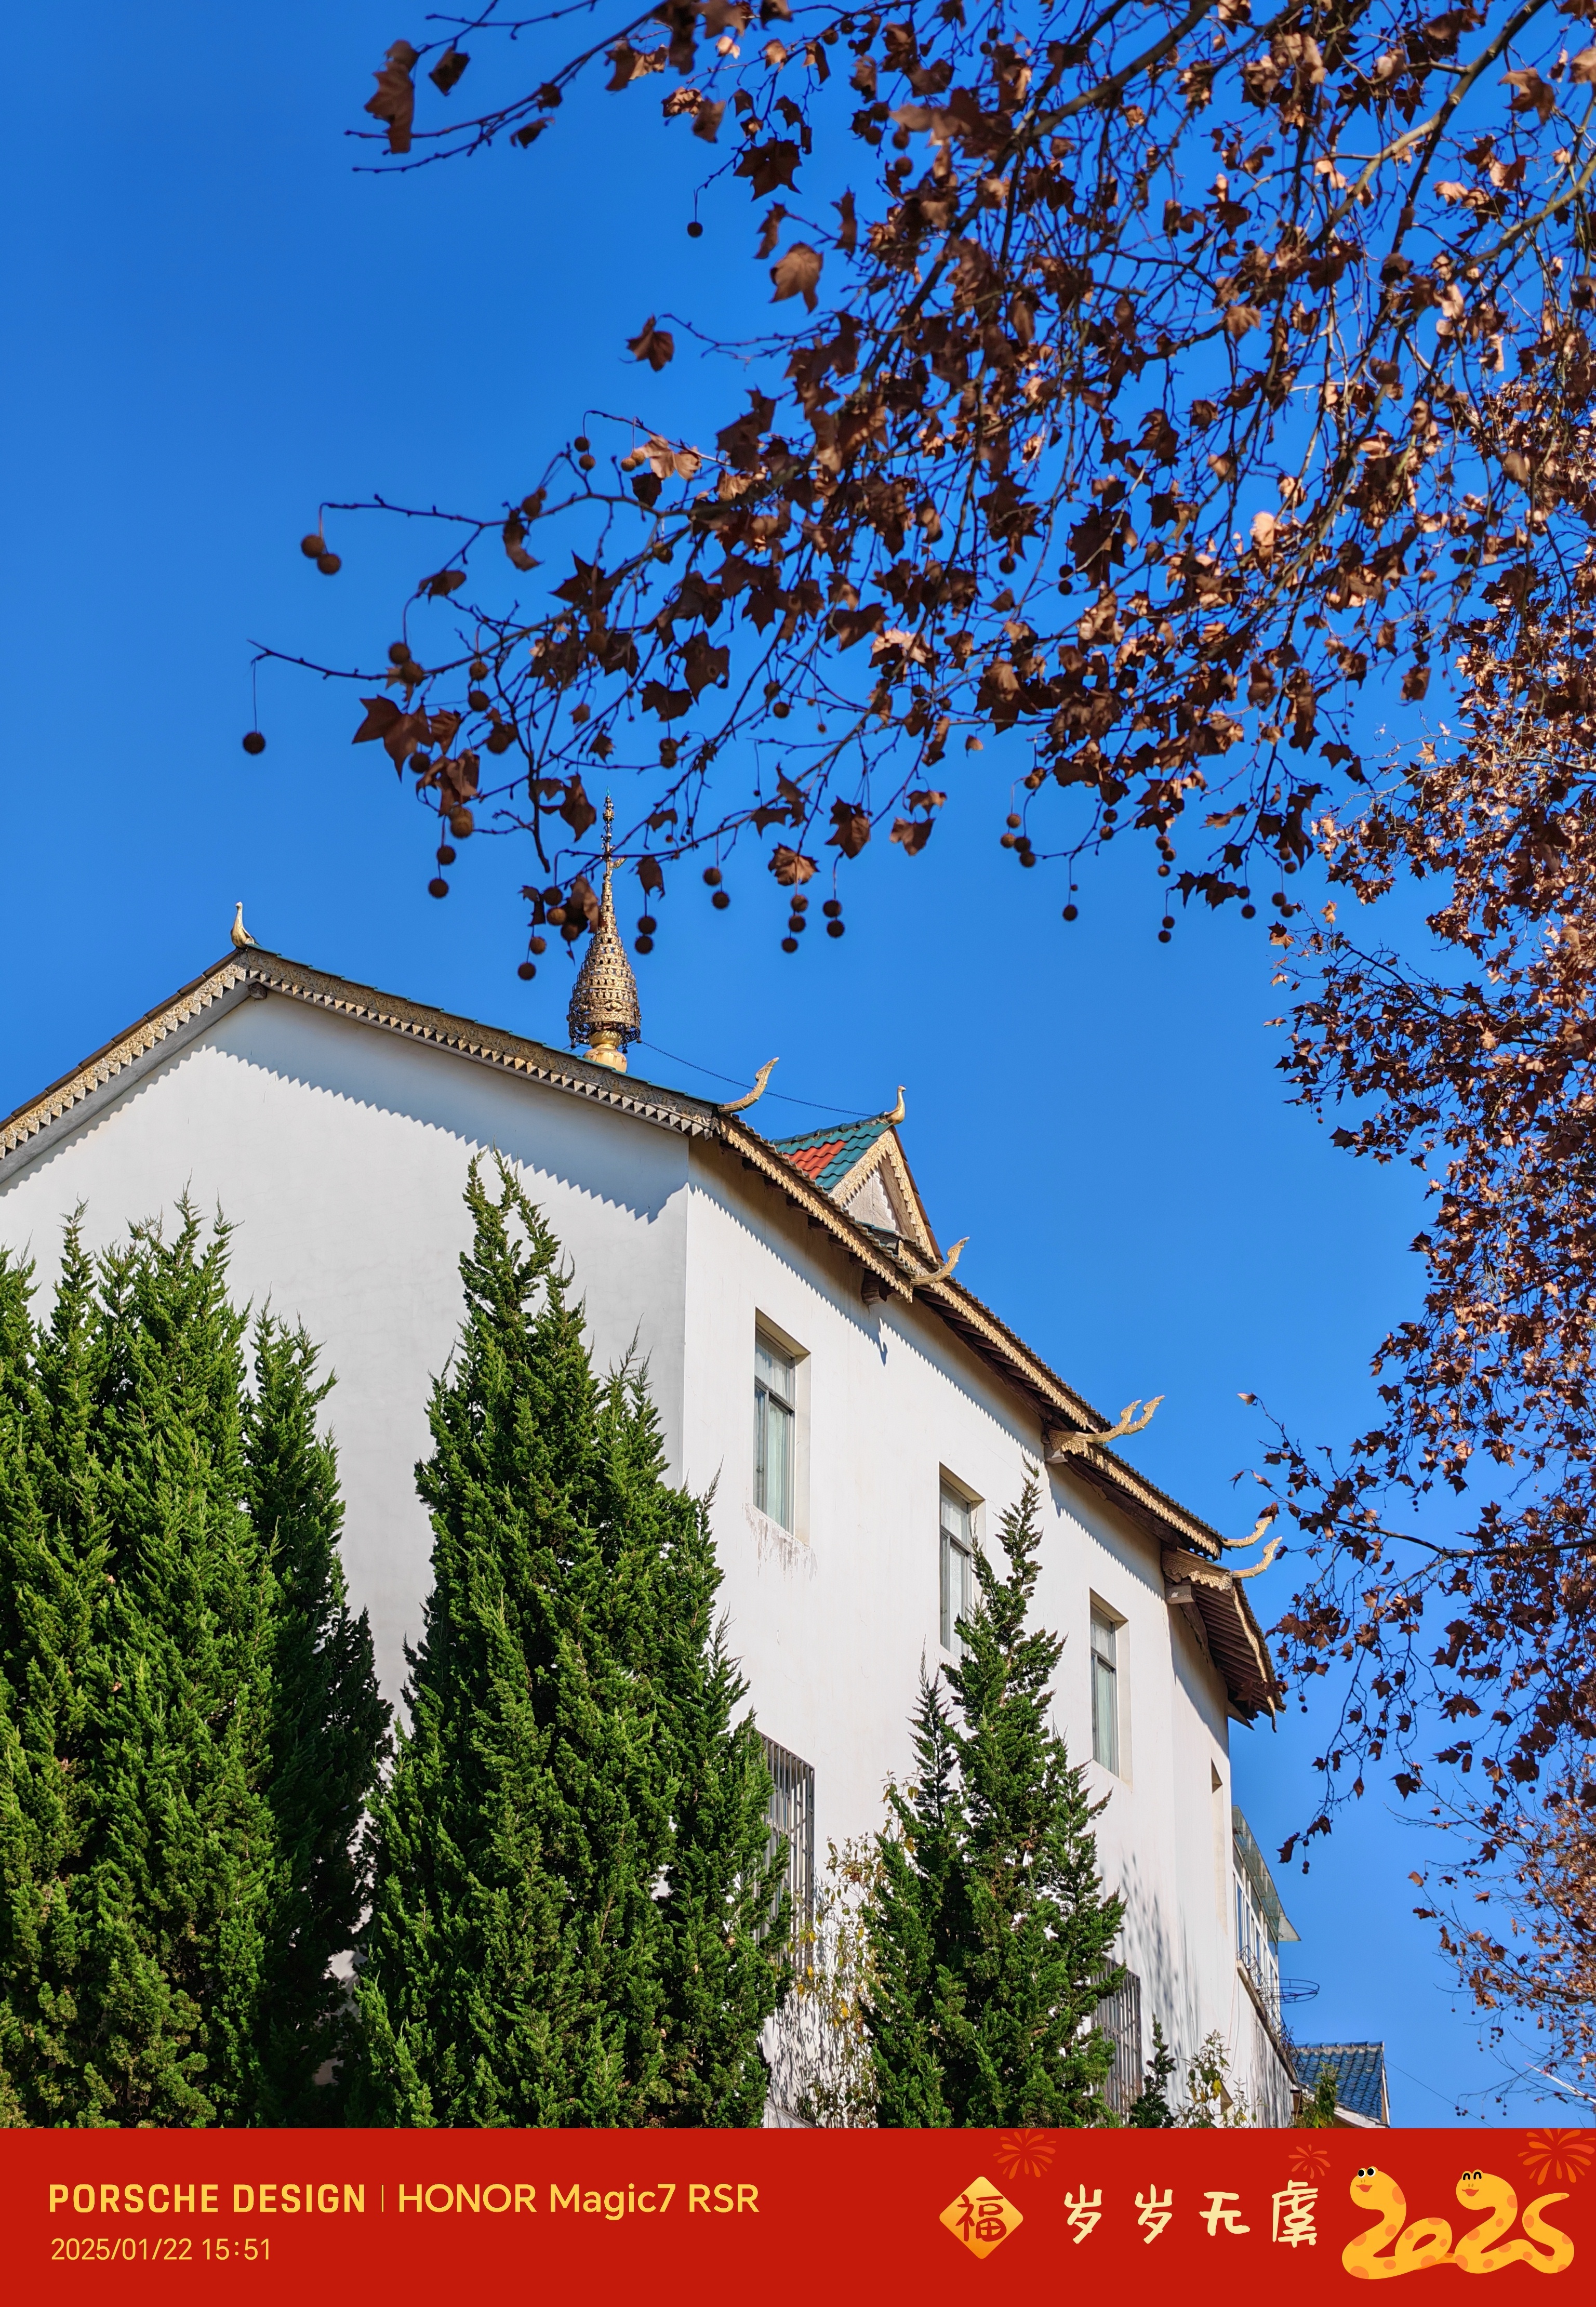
602, 1016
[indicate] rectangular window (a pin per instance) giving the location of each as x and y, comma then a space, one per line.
958, 1569
791, 1813
774, 1405
1105, 1693
1119, 2016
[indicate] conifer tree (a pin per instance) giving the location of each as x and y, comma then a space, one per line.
1151, 2109
144, 1883
991, 1931
546, 1878
328, 1730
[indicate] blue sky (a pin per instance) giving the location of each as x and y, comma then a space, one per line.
215, 323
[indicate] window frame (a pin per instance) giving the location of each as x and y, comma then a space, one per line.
791, 1815
951, 1546
1108, 1670
784, 1357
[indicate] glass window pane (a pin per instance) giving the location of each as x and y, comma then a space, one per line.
773, 1431
1105, 1721
773, 1369
1103, 1640
955, 1518
778, 1463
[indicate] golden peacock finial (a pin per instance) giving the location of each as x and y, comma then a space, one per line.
602, 1018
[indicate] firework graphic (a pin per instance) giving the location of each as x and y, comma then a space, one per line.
1309, 2161
1025, 2154
1564, 2155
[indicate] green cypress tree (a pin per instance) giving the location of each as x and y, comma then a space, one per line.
145, 1884
1151, 2109
539, 1873
989, 1929
327, 1734
52, 1581
724, 1911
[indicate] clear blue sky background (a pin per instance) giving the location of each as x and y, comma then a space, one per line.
213, 323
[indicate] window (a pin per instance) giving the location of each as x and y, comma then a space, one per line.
959, 1568
1105, 1692
1119, 2016
791, 1813
774, 1405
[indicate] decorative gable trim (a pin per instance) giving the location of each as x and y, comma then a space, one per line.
259, 973
888, 1154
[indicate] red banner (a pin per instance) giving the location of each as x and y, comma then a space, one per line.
776, 2216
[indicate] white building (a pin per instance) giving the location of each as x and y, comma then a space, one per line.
865, 1420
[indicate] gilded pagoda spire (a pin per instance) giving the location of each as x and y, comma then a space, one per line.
602, 1016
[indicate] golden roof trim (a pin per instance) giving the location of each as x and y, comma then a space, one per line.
511, 1053
1235, 1639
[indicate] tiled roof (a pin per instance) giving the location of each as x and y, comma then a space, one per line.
1359, 2074
827, 1155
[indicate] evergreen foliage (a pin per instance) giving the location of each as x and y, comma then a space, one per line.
1151, 2109
572, 1922
328, 1730
990, 1932
146, 1895
1320, 2114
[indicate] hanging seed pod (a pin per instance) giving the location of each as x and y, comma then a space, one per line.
1249, 912
832, 908
712, 877
314, 545
461, 824
479, 668
537, 944
789, 944
437, 888
398, 652
526, 969
720, 900
255, 742
643, 945
834, 928
1163, 937
445, 854
479, 699
1072, 912
329, 563
647, 925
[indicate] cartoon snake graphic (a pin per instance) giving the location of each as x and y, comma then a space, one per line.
1480, 2251
1427, 2243
1391, 2246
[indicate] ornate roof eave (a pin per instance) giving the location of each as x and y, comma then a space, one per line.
1225, 1625
256, 973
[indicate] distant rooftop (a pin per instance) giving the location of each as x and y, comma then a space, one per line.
1359, 2076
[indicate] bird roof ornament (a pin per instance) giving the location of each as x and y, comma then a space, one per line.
603, 1016
241, 936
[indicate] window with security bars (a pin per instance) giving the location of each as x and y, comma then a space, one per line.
791, 1813
773, 1431
1119, 2016
959, 1568
1105, 1693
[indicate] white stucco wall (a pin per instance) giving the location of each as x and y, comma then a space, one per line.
339, 1154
